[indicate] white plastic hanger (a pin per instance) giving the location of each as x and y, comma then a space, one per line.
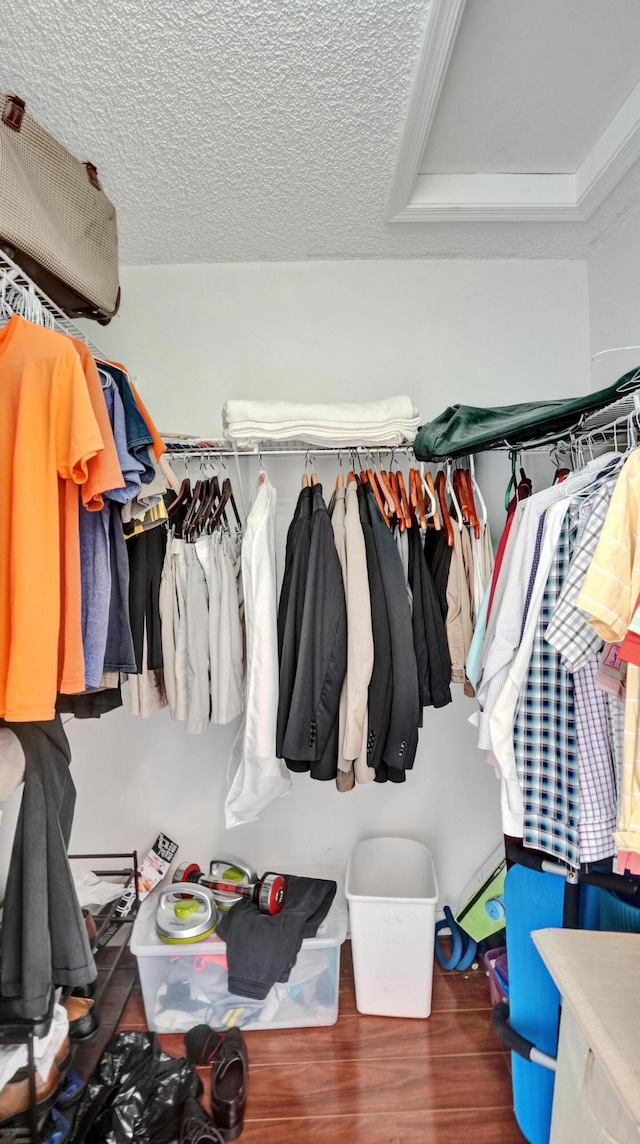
430, 497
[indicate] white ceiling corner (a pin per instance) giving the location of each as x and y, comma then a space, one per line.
418, 197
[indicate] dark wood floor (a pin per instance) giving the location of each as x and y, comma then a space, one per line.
375, 1080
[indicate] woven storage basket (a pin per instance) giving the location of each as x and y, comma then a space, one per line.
55, 219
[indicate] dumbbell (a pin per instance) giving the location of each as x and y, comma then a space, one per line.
267, 893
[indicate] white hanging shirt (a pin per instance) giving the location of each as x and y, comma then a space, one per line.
256, 775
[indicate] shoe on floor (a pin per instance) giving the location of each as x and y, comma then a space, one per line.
202, 1044
196, 1127
14, 1097
84, 1023
229, 1085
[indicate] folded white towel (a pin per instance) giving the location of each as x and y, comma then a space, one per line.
392, 421
389, 439
307, 413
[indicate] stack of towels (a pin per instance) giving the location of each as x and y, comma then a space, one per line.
392, 421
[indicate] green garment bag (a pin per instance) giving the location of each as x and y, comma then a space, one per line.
463, 429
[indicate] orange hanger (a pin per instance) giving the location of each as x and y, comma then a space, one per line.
417, 499
432, 489
473, 515
393, 484
462, 492
403, 498
386, 490
441, 491
371, 477
305, 481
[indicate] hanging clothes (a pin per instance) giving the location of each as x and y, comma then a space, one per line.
402, 736
256, 776
311, 738
47, 431
380, 689
352, 717
429, 633
291, 607
609, 592
44, 937
460, 604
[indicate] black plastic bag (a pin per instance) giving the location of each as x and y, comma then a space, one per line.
136, 1093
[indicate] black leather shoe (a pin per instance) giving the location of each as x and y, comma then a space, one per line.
84, 1024
196, 1127
229, 1085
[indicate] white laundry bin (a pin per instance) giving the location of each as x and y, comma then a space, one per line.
392, 892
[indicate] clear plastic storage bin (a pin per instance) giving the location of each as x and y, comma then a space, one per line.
184, 986
392, 893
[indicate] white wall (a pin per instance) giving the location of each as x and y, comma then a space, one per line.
477, 332
614, 302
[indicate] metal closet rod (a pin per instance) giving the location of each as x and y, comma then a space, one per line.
311, 451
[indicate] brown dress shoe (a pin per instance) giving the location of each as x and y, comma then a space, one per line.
14, 1097
84, 1024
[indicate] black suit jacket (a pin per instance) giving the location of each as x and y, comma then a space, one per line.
311, 737
291, 607
381, 683
429, 632
402, 736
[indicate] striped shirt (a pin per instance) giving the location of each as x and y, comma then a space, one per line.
609, 593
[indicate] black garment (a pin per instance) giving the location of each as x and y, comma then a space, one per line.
90, 704
381, 683
311, 738
402, 736
146, 558
429, 632
119, 653
438, 556
291, 607
44, 938
262, 949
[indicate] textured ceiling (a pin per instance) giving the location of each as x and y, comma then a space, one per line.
240, 130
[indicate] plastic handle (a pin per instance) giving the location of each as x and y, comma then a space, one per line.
534, 861
616, 883
514, 1041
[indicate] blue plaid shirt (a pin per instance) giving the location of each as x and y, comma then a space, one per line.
545, 741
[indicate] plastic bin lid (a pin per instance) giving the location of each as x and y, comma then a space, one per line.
146, 943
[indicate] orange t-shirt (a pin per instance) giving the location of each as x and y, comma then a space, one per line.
47, 430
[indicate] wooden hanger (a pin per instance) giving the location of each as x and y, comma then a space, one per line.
441, 493
192, 509
370, 477
395, 492
386, 492
474, 520
224, 497
181, 499
417, 499
404, 499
